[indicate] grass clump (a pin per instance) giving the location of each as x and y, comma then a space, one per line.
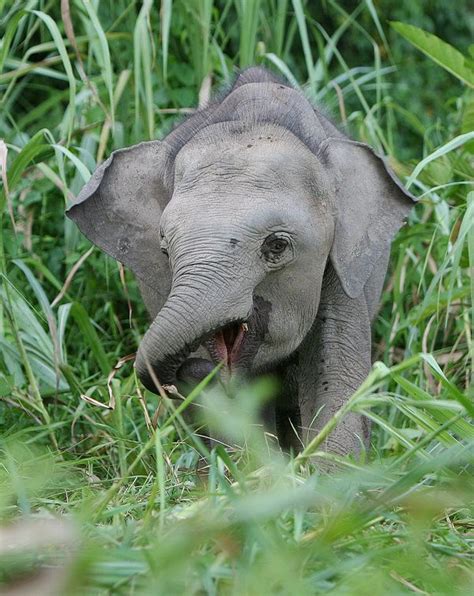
127, 500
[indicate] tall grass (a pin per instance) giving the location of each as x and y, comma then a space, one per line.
114, 491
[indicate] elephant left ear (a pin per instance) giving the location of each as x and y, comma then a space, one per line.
371, 205
120, 208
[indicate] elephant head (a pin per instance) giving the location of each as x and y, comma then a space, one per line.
230, 221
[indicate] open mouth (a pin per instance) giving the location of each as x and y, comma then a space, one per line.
227, 343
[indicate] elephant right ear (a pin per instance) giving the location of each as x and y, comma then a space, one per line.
371, 205
120, 208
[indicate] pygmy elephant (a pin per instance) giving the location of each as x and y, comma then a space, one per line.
260, 236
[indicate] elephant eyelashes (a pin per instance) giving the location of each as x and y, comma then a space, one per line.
163, 245
277, 245
274, 248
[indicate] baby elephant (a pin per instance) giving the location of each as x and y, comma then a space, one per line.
260, 237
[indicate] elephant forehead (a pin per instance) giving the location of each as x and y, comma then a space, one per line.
211, 217
265, 159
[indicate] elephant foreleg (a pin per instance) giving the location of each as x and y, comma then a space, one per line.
333, 361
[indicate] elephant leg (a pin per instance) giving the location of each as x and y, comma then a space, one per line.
194, 370
288, 421
288, 417
333, 361
268, 417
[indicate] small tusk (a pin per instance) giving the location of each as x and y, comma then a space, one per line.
171, 389
245, 327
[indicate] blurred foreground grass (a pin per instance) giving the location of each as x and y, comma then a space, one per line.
95, 500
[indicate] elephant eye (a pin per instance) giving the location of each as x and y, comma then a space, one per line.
274, 246
277, 245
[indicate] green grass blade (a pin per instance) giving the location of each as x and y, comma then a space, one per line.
142, 52
438, 50
9, 36
58, 40
470, 244
303, 31
249, 22
79, 314
451, 145
103, 56
166, 12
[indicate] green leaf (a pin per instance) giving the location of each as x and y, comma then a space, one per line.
249, 21
90, 334
143, 59
438, 50
166, 11
464, 429
449, 146
303, 31
103, 54
9, 35
452, 389
59, 42
34, 150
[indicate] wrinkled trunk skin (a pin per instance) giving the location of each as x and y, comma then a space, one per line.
191, 312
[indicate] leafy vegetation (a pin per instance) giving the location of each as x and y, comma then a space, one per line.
126, 499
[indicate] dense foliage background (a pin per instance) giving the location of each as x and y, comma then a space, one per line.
112, 500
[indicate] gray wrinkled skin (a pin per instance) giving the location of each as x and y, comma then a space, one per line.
256, 210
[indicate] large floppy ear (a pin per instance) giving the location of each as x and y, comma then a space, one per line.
371, 205
120, 208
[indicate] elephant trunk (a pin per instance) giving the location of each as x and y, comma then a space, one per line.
189, 316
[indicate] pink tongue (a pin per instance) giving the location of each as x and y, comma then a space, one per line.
228, 343
221, 346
